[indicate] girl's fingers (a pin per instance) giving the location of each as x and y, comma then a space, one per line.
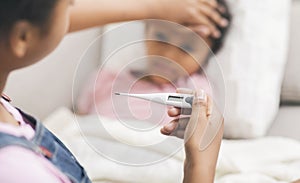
180, 130
213, 30
170, 127
197, 120
212, 3
186, 125
202, 30
221, 9
175, 112
176, 127
185, 111
210, 105
199, 105
214, 15
213, 126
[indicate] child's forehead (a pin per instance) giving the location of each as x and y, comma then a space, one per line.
172, 30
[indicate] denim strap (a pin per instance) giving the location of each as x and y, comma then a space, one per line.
10, 140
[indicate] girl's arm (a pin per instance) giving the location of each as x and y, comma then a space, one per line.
201, 145
91, 13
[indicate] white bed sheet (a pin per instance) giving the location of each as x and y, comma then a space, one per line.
264, 160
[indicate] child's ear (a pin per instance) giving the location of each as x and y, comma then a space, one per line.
21, 37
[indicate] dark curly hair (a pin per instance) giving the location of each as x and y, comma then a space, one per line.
37, 12
217, 43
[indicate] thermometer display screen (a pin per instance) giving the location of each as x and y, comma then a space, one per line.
175, 98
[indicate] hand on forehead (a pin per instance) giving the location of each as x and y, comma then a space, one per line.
175, 34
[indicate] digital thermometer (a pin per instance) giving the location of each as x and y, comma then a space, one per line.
172, 99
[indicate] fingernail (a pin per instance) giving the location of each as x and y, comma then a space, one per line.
217, 34
224, 22
222, 9
170, 126
201, 95
204, 30
173, 111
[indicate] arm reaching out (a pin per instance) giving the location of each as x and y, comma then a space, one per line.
195, 13
200, 163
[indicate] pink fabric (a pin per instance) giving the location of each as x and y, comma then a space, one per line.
18, 164
98, 97
22, 130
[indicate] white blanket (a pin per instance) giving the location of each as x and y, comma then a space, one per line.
118, 154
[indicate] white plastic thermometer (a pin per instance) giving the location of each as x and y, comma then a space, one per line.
172, 99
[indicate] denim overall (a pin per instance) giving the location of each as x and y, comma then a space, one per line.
45, 143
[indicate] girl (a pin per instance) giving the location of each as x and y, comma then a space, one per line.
30, 30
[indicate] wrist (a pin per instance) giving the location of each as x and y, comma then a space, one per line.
198, 172
198, 167
195, 158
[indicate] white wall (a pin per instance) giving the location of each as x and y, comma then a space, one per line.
47, 85
122, 43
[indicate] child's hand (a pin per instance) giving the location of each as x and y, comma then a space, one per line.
202, 132
202, 16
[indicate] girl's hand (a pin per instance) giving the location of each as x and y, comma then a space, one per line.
202, 132
202, 16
